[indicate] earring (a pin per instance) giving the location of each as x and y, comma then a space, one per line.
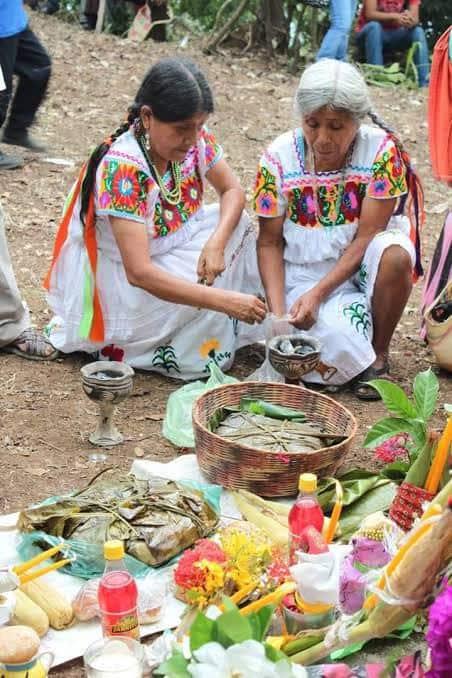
147, 142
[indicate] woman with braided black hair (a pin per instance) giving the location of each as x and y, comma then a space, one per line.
143, 270
335, 249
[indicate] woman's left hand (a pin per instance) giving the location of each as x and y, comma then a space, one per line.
211, 263
304, 312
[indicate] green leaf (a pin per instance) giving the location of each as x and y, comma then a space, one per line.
395, 471
202, 631
377, 499
175, 666
425, 393
228, 605
417, 474
265, 615
395, 398
273, 654
233, 628
386, 428
256, 627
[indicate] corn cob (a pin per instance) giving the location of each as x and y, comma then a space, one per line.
57, 608
27, 613
263, 518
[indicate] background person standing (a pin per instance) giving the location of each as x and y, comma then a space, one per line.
335, 43
21, 54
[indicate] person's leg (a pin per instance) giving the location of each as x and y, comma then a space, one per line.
33, 67
421, 55
334, 44
13, 315
8, 50
371, 37
391, 292
403, 38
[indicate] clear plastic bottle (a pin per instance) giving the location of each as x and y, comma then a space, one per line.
306, 512
118, 595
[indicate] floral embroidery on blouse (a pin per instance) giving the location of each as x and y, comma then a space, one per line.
265, 193
388, 173
169, 218
123, 190
325, 200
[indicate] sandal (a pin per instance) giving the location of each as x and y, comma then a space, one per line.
32, 345
360, 386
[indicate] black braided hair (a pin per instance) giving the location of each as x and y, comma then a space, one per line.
414, 187
174, 89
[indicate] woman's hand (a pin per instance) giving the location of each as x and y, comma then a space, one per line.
304, 312
246, 307
211, 263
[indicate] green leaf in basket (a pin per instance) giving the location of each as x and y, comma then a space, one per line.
417, 474
426, 387
271, 410
233, 628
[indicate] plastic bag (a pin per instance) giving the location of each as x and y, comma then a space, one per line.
88, 559
152, 591
274, 327
177, 425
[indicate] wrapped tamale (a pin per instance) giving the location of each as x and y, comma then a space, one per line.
155, 518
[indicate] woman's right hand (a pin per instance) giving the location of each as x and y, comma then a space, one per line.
246, 307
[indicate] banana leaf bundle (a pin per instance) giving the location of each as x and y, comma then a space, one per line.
271, 427
155, 518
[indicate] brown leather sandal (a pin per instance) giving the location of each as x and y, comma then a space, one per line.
32, 345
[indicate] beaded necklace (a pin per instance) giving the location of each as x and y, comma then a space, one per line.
173, 195
340, 186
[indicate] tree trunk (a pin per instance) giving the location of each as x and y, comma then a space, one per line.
275, 25
215, 40
159, 12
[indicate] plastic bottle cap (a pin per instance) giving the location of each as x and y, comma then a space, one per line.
307, 482
113, 550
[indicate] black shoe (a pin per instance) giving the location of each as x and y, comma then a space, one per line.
23, 139
10, 161
50, 8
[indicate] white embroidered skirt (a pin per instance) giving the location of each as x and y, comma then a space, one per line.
145, 331
344, 325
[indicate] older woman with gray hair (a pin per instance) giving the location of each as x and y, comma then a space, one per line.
335, 250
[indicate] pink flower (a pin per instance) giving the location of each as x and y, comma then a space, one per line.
439, 635
392, 449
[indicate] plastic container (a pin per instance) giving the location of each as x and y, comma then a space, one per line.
306, 512
118, 595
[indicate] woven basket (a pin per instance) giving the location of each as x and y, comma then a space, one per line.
269, 474
291, 365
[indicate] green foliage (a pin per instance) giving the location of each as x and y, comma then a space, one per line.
229, 628
411, 415
436, 17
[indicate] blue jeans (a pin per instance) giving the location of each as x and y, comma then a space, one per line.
334, 44
374, 38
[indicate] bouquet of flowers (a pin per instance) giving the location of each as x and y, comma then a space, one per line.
241, 560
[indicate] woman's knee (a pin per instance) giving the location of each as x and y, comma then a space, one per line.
374, 28
396, 264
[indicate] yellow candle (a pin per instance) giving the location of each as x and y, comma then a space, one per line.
43, 570
18, 569
271, 598
440, 459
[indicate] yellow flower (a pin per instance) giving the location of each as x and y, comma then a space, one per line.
209, 346
247, 556
214, 576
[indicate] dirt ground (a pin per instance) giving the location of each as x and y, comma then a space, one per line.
45, 417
